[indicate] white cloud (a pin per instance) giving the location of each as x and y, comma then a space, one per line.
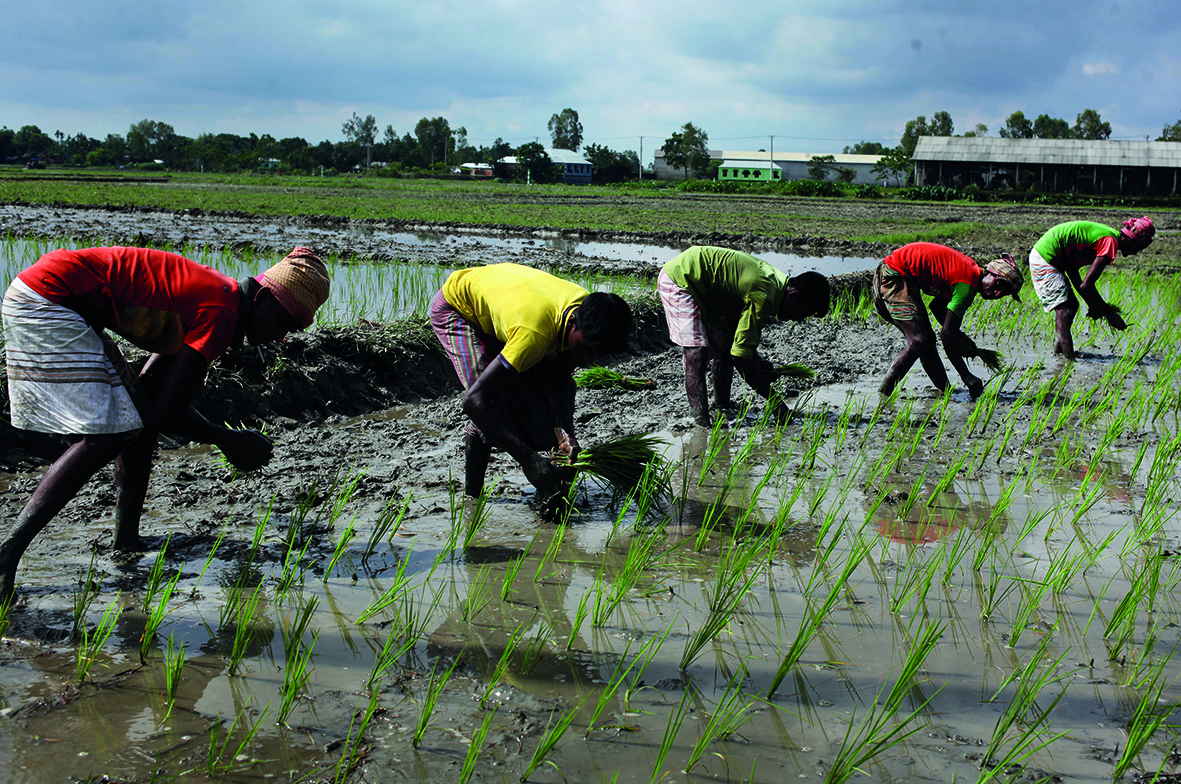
1093, 69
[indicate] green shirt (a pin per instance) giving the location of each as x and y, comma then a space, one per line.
733, 287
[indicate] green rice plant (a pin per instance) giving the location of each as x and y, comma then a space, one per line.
625, 464
346, 536
388, 521
954, 550
476, 744
342, 493
155, 577
915, 580
671, 729
392, 649
479, 594
511, 570
795, 370
550, 557
89, 587
295, 566
732, 581
815, 613
505, 659
550, 740
217, 761
209, 559
6, 606
880, 729
730, 714
395, 593
599, 377
93, 641
1023, 724
479, 514
579, 618
244, 629
354, 749
1030, 600
718, 436
174, 664
642, 551
297, 671
535, 648
426, 708
1150, 714
157, 614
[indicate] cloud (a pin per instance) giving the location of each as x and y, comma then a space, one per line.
1092, 69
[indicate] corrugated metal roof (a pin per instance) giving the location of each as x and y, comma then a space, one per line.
564, 156
1065, 152
753, 157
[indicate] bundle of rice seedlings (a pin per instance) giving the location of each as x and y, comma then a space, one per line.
605, 378
991, 359
625, 464
796, 370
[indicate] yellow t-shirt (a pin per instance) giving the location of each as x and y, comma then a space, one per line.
526, 309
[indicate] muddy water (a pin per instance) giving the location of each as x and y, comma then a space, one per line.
967, 556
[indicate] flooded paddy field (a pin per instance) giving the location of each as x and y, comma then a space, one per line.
919, 588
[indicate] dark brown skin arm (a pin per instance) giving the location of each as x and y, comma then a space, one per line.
1089, 293
498, 379
750, 368
173, 380
950, 335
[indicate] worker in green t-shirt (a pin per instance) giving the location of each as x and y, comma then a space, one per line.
717, 302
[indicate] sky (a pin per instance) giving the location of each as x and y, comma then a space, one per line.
792, 75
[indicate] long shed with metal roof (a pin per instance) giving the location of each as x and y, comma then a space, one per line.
1051, 165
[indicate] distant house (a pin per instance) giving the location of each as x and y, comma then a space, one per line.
759, 166
478, 170
1052, 165
575, 170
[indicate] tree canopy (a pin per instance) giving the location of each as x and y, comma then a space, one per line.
565, 130
687, 149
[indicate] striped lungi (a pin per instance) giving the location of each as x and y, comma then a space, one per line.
60, 379
1049, 283
686, 324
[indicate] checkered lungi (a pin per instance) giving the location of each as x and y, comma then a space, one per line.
897, 297
60, 377
686, 324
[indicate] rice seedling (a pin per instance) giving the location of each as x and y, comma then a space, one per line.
625, 464
156, 577
82, 597
387, 522
174, 663
297, 671
478, 515
550, 557
796, 370
94, 640
915, 580
244, 629
580, 614
599, 377
220, 758
342, 543
6, 606
505, 659
395, 593
157, 614
354, 749
671, 729
392, 649
1023, 725
550, 740
880, 729
476, 744
426, 707
295, 566
641, 552
1032, 594
209, 560
718, 436
732, 581
535, 648
511, 570
479, 594
730, 714
1150, 714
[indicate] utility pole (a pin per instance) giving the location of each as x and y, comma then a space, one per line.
771, 171
640, 161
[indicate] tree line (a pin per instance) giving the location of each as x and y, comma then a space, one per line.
433, 146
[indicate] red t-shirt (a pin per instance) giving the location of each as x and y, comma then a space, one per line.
158, 301
936, 268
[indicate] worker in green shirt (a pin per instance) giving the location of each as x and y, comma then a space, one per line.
717, 302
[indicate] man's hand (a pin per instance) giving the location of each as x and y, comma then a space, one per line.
967, 346
543, 474
567, 443
975, 386
247, 450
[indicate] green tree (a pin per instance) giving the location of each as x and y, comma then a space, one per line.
7, 142
1047, 127
1089, 125
865, 148
911, 133
846, 174
433, 137
941, 124
363, 132
1017, 126
29, 141
565, 130
819, 166
149, 140
611, 166
534, 163
894, 163
687, 149
1170, 133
